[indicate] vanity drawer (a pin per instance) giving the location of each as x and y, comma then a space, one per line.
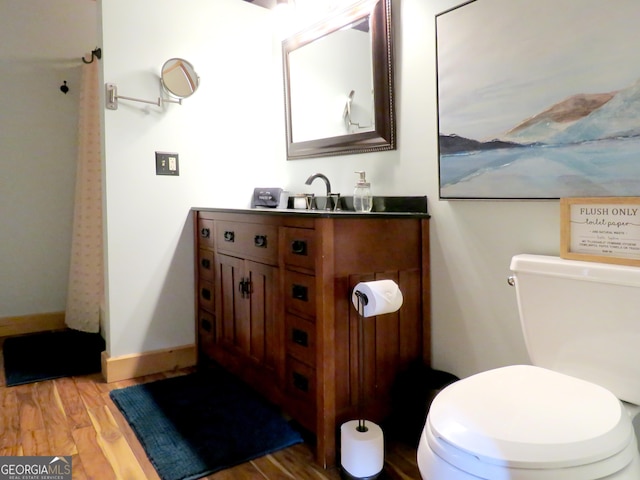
301, 380
206, 331
205, 295
300, 294
205, 264
248, 240
300, 247
205, 233
301, 339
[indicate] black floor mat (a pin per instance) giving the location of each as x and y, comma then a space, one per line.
43, 356
197, 424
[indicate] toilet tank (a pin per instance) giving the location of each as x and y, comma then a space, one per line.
582, 319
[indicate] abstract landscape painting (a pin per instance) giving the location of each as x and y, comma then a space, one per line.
539, 99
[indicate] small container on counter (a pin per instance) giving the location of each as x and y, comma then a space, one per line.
299, 201
362, 199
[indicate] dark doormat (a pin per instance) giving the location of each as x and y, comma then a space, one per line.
193, 425
44, 356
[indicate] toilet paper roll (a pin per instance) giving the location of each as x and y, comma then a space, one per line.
383, 296
361, 453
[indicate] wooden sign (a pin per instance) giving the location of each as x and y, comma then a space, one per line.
601, 229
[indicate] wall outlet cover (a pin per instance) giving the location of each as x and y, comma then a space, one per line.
167, 164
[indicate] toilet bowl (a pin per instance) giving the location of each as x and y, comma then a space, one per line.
564, 417
527, 423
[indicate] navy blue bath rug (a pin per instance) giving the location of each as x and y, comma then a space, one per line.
44, 356
196, 424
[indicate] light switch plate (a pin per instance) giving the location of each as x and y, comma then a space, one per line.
167, 163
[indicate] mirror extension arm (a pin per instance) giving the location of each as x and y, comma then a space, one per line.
112, 97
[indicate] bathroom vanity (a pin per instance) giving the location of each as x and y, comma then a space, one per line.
274, 307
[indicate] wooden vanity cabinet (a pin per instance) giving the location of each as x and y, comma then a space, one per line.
275, 308
241, 323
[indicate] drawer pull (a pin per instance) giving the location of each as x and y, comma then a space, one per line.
300, 337
300, 382
206, 263
205, 293
229, 236
300, 292
260, 241
206, 324
299, 247
205, 232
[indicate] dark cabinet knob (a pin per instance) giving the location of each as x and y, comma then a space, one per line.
206, 263
300, 292
300, 337
205, 293
299, 247
205, 232
260, 241
300, 382
229, 236
206, 324
244, 287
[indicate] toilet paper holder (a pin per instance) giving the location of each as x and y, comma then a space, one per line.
362, 300
362, 445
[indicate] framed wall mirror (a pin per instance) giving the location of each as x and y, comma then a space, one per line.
338, 77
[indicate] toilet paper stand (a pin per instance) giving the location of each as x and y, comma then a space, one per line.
362, 441
363, 300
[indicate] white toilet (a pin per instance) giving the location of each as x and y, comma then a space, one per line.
562, 418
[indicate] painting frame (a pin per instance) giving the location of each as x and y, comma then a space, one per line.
561, 123
600, 229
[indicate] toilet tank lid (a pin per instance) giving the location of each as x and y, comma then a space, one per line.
521, 416
575, 269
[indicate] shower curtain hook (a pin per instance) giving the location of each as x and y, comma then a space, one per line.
96, 53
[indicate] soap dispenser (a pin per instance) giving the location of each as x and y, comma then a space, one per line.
362, 201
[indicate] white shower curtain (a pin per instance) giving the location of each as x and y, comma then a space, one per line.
86, 280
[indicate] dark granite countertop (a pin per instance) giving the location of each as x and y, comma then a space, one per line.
382, 206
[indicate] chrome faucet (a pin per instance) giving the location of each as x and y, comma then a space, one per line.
323, 177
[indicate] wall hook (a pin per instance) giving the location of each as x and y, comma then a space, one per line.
96, 53
63, 88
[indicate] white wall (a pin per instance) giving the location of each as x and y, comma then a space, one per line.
41, 45
230, 138
223, 135
475, 318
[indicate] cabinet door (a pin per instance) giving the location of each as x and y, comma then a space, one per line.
264, 326
248, 305
232, 309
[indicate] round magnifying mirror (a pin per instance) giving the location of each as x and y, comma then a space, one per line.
179, 78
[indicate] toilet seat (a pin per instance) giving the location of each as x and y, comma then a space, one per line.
550, 421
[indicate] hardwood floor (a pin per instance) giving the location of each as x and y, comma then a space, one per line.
75, 416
